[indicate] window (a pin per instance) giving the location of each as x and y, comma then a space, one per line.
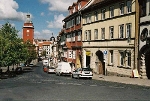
129, 58
79, 36
143, 7
88, 18
70, 53
129, 6
111, 57
78, 20
111, 9
103, 33
96, 34
73, 22
128, 31
103, 14
27, 34
70, 12
74, 9
121, 58
73, 37
121, 8
121, 31
87, 35
111, 31
96, 15
74, 54
68, 37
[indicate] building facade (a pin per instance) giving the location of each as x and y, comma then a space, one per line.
144, 39
72, 34
109, 34
43, 45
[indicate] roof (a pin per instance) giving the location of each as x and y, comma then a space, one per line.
68, 45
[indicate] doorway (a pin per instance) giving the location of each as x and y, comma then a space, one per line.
101, 63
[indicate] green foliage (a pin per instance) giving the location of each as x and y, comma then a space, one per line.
12, 48
43, 53
32, 54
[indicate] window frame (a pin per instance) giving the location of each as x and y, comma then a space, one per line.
96, 34
96, 16
122, 58
128, 59
121, 31
103, 33
73, 36
79, 36
111, 11
129, 6
103, 11
128, 31
111, 32
122, 8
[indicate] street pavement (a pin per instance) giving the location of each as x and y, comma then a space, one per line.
125, 80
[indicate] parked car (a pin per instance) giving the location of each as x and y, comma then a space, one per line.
82, 73
51, 70
63, 68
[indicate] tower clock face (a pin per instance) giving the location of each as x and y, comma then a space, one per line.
28, 31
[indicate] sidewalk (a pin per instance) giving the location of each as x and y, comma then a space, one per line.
126, 80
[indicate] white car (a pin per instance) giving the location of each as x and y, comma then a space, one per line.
51, 70
63, 68
82, 73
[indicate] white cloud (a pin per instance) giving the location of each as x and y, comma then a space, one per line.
45, 34
8, 11
46, 31
58, 5
57, 23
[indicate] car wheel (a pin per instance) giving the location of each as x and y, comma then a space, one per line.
78, 77
59, 74
90, 78
56, 74
72, 76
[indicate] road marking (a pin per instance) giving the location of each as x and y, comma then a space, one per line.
93, 85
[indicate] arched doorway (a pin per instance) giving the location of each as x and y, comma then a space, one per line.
145, 50
88, 58
147, 63
100, 63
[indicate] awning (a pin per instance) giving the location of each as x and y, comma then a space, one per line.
88, 53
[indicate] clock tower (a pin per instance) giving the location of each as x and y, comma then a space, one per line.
28, 30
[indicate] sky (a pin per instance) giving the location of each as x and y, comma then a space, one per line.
46, 15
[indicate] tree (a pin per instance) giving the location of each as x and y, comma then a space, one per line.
32, 54
12, 48
43, 53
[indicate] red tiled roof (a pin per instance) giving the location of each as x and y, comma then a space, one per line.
68, 45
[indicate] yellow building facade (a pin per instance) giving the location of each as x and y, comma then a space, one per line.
109, 37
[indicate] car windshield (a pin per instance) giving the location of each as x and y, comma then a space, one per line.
86, 69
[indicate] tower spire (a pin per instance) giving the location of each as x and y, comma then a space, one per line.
28, 19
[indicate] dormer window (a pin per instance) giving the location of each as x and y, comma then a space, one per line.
70, 12
79, 5
74, 9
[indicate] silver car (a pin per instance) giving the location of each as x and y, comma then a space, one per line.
82, 73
